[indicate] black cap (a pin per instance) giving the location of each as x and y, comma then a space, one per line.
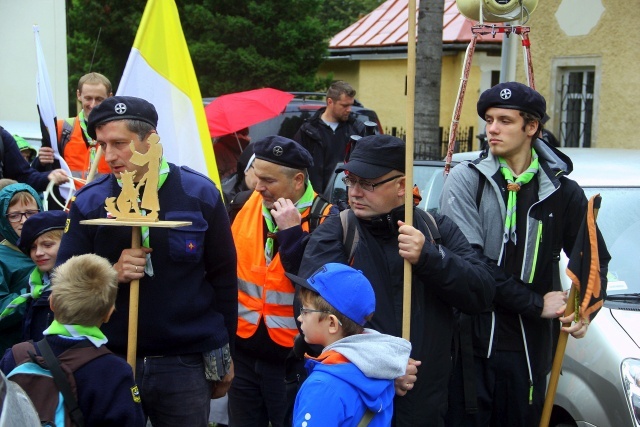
121, 108
376, 155
282, 151
513, 96
39, 224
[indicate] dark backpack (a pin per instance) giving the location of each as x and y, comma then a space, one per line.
49, 381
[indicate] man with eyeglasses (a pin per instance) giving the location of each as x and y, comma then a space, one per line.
327, 133
17, 203
447, 274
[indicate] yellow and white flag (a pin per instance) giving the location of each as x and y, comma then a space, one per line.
159, 69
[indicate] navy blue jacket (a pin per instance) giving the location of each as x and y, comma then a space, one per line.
14, 166
190, 305
105, 387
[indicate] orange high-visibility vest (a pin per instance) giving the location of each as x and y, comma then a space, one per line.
263, 291
76, 153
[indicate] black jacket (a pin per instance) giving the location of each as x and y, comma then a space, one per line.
14, 166
447, 275
326, 146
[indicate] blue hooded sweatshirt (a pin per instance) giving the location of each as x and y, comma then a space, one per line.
351, 376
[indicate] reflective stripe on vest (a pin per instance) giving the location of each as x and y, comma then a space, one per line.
263, 291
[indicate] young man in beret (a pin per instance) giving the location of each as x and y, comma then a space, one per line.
188, 287
527, 212
447, 273
269, 232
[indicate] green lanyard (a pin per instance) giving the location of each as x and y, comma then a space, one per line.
513, 186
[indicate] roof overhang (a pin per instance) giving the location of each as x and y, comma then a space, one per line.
400, 51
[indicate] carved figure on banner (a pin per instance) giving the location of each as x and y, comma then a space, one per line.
127, 201
150, 179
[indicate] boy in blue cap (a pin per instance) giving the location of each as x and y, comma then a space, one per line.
353, 378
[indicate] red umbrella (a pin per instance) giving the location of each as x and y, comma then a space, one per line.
235, 111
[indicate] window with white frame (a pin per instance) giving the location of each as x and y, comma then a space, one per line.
577, 107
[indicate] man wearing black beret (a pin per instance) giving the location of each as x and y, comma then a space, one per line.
446, 273
188, 306
518, 209
270, 232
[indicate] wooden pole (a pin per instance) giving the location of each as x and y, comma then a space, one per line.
134, 298
556, 368
94, 165
408, 202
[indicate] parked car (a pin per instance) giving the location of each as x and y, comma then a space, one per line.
303, 106
600, 381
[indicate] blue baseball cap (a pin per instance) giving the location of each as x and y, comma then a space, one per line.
345, 288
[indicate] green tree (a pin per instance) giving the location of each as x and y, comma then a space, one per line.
234, 44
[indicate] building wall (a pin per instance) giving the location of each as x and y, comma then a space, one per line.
18, 110
596, 33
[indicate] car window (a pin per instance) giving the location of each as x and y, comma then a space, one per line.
619, 223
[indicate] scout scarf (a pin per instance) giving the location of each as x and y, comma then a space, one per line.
92, 333
38, 283
163, 173
513, 186
305, 201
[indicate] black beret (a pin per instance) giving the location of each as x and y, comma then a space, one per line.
39, 224
121, 108
282, 151
376, 155
513, 96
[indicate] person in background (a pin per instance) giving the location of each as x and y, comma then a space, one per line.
18, 202
326, 134
446, 273
353, 378
188, 306
14, 166
518, 210
28, 152
75, 145
228, 149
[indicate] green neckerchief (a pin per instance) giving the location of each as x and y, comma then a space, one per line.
513, 186
305, 201
92, 333
38, 283
163, 173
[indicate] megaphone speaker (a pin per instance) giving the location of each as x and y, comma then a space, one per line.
496, 10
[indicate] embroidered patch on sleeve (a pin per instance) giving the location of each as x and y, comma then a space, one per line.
191, 246
66, 225
135, 393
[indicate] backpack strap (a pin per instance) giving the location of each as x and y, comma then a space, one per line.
318, 207
65, 129
432, 226
62, 383
482, 180
350, 234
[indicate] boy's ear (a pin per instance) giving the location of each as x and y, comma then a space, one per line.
334, 324
51, 304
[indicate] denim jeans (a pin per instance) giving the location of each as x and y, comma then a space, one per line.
174, 390
257, 395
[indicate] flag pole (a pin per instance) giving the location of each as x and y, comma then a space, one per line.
408, 202
94, 165
561, 347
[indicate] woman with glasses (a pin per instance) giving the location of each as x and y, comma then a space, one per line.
17, 203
